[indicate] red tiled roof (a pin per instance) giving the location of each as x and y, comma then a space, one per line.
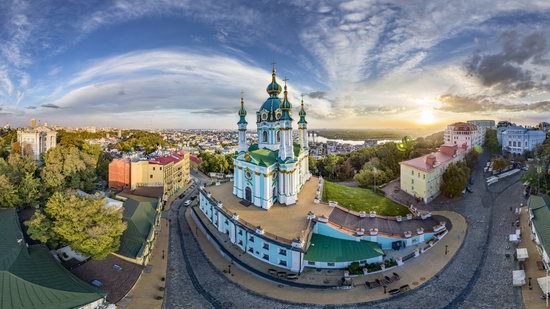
195, 159
428, 162
166, 159
463, 126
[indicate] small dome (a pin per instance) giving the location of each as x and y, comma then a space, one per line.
273, 89
286, 103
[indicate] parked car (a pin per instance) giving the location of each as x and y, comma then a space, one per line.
186, 203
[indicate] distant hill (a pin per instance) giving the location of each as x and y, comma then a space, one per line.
363, 134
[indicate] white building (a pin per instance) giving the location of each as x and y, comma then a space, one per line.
36, 140
516, 139
461, 133
482, 126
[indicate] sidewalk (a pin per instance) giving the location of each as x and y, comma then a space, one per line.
414, 273
147, 289
531, 297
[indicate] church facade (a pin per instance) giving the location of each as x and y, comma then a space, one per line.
275, 169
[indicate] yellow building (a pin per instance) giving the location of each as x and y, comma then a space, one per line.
421, 177
169, 172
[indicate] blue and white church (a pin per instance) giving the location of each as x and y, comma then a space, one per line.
275, 169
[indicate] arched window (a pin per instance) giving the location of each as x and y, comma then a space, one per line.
278, 136
264, 136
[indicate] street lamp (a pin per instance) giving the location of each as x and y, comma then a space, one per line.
374, 178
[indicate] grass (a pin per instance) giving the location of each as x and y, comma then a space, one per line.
359, 199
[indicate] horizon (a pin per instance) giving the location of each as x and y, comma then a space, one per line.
158, 65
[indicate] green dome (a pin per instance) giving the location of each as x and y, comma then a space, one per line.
273, 89
270, 111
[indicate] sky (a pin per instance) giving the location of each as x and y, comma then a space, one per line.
359, 63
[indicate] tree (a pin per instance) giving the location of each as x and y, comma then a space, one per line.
9, 197
366, 176
500, 163
454, 179
213, 163
82, 222
68, 167
472, 158
19, 172
312, 162
491, 141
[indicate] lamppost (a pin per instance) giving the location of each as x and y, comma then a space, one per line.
374, 178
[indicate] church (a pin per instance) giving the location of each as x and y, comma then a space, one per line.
275, 169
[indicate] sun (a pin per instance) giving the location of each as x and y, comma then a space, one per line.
426, 116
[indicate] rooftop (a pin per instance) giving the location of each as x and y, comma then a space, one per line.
286, 221
140, 214
539, 206
164, 160
329, 249
430, 161
32, 278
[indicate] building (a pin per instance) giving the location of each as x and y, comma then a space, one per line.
36, 140
142, 215
274, 174
171, 173
483, 126
275, 169
461, 133
517, 139
31, 278
421, 177
539, 219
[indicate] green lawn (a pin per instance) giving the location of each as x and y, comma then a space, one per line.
359, 199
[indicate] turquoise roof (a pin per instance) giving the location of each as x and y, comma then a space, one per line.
271, 105
32, 278
329, 249
302, 113
242, 113
539, 206
268, 157
273, 89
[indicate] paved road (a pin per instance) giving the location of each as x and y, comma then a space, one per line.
479, 276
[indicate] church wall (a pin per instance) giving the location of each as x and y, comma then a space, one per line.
258, 246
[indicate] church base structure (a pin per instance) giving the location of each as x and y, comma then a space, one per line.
313, 235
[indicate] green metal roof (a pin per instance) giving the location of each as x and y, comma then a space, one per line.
140, 214
267, 157
541, 218
32, 278
329, 249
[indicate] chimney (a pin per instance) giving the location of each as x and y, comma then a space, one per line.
430, 160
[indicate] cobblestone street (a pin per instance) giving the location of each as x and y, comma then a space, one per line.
479, 276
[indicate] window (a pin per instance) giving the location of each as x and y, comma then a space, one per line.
264, 136
312, 263
153, 168
412, 181
251, 239
282, 263
240, 243
266, 246
251, 250
150, 176
278, 136
240, 232
330, 264
412, 173
282, 252
160, 168
265, 257
424, 176
363, 262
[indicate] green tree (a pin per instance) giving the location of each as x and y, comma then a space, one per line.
312, 162
454, 179
472, 158
19, 172
84, 223
9, 197
68, 167
365, 177
213, 163
491, 141
229, 160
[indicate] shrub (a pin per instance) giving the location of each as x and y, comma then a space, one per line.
390, 263
355, 269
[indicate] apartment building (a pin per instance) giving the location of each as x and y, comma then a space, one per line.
421, 177
36, 140
461, 133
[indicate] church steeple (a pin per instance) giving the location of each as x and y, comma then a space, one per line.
243, 144
286, 106
302, 126
273, 89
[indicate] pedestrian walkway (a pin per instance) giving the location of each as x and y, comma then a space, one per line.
531, 293
414, 273
148, 292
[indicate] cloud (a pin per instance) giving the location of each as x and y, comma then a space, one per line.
483, 104
50, 105
506, 70
31, 107
197, 82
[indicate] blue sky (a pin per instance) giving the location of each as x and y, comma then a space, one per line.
360, 64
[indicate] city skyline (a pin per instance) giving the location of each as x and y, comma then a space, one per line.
359, 64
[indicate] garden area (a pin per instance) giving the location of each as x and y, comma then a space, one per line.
358, 199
